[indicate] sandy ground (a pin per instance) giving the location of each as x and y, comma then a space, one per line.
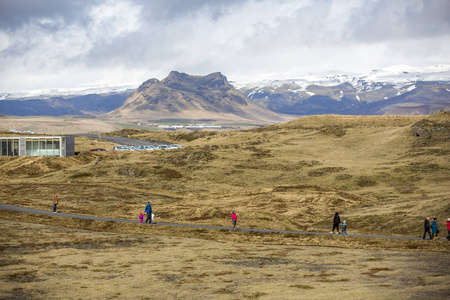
54, 125
53, 262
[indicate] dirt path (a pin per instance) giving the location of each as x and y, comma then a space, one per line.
64, 215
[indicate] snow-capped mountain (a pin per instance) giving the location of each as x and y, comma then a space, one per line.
394, 90
70, 92
398, 76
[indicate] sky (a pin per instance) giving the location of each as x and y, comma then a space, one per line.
48, 44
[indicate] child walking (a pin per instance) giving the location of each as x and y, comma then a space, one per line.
234, 219
141, 217
344, 228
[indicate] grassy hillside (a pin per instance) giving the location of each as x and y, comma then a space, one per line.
383, 174
374, 171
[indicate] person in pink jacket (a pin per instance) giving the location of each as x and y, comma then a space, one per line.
234, 219
141, 217
448, 228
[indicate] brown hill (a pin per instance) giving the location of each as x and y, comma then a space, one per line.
185, 96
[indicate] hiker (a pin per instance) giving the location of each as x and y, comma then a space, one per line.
55, 202
234, 219
448, 229
434, 230
344, 228
148, 210
336, 222
141, 217
427, 227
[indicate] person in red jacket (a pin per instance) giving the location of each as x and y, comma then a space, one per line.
234, 219
448, 228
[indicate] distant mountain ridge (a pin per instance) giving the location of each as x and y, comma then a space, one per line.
58, 106
180, 95
394, 90
400, 90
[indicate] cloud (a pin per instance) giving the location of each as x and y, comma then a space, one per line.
51, 43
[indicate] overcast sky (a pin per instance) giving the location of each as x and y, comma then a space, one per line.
70, 43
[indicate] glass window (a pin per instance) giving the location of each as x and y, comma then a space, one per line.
56, 150
41, 147
10, 147
4, 147
49, 147
35, 151
16, 147
29, 147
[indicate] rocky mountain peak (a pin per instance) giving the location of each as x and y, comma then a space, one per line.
147, 84
180, 95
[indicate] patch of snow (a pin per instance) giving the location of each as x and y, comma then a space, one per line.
398, 76
79, 91
411, 88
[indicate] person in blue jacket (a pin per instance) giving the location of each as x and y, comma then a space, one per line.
434, 230
148, 210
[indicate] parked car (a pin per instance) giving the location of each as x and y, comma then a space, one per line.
163, 147
121, 148
98, 149
149, 147
175, 146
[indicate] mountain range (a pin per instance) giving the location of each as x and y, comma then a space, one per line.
399, 90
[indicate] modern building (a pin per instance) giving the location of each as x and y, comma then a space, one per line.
38, 146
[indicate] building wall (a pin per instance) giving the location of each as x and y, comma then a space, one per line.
37, 146
70, 145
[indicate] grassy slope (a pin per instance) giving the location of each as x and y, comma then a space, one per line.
289, 176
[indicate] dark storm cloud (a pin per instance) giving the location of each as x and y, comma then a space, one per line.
166, 10
14, 13
51, 43
387, 20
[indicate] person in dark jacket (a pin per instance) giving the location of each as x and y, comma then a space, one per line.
427, 227
336, 222
434, 230
148, 210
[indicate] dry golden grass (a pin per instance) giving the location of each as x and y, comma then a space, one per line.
292, 176
41, 261
57, 125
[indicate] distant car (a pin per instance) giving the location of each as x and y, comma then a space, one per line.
163, 147
98, 149
149, 147
175, 146
121, 148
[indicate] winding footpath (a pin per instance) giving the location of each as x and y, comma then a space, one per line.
64, 215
